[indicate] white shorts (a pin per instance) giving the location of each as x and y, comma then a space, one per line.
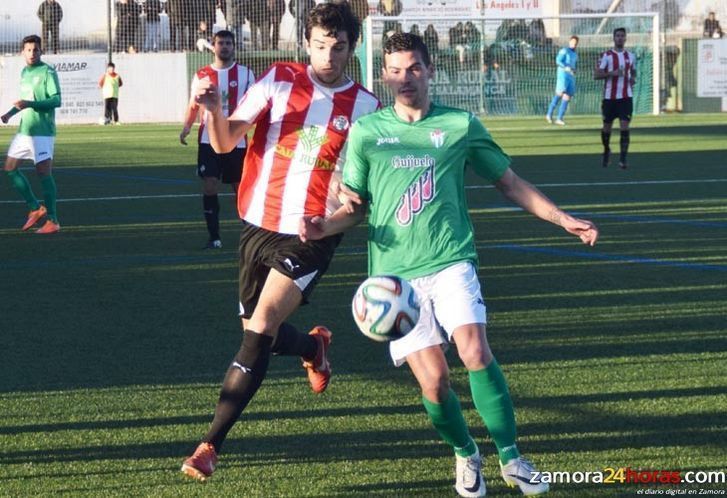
37, 149
448, 299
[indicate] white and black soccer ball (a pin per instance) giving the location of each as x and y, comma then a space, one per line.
385, 308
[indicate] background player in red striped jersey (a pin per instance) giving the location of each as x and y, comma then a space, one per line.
617, 67
233, 80
302, 115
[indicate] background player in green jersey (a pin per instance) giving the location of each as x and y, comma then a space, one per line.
407, 164
40, 94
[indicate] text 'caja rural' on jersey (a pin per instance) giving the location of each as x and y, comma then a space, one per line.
413, 177
39, 86
294, 161
232, 82
618, 87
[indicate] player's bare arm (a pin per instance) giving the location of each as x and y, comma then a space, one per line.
535, 202
224, 134
318, 227
189, 118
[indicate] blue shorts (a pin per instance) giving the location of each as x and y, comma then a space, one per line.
566, 84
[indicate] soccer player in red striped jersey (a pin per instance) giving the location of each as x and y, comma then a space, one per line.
302, 116
233, 80
617, 67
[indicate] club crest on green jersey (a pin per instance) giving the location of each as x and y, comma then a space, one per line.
437, 138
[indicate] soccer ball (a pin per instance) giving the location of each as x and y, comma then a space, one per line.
385, 308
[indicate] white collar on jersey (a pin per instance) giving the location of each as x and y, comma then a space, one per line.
327, 89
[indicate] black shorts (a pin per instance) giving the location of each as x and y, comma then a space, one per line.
226, 167
621, 109
261, 250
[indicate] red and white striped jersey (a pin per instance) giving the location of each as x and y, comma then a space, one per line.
233, 82
294, 161
618, 87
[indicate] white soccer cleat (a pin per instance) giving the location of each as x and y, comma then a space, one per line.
470, 481
520, 472
549, 119
560, 122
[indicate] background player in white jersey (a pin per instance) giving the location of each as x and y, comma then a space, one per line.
302, 115
407, 163
617, 68
233, 80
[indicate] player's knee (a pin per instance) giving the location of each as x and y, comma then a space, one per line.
475, 356
436, 388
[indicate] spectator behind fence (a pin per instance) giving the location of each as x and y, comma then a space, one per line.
259, 24
127, 26
712, 28
110, 83
277, 9
431, 40
536, 33
240, 13
50, 14
204, 37
152, 38
305, 7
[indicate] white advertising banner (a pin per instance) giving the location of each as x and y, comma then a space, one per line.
155, 86
712, 68
497, 9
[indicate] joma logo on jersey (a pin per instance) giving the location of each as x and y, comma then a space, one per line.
419, 194
387, 140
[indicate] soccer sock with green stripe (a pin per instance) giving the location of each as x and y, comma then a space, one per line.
21, 184
492, 400
49, 196
450, 424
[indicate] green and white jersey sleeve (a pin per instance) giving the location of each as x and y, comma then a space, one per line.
39, 86
413, 177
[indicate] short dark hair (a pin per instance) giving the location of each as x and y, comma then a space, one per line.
334, 17
111, 64
575, 37
623, 30
223, 33
407, 42
31, 39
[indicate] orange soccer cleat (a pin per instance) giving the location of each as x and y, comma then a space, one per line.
49, 227
319, 370
202, 463
34, 216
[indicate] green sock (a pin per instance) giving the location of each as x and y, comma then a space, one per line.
493, 403
49, 196
448, 420
21, 184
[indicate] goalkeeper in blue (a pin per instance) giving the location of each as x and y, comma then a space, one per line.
565, 85
406, 164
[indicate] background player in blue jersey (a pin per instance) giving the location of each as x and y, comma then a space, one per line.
565, 86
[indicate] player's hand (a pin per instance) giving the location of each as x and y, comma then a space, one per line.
21, 104
183, 135
567, 69
207, 95
311, 228
583, 229
348, 198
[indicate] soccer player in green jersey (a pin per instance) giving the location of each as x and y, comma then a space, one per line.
406, 164
40, 94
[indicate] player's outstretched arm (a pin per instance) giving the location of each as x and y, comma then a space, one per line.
224, 134
318, 227
534, 201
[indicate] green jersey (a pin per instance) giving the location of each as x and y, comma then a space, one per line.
39, 86
412, 174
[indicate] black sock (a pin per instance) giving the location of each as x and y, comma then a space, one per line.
625, 140
242, 381
605, 140
211, 206
291, 342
